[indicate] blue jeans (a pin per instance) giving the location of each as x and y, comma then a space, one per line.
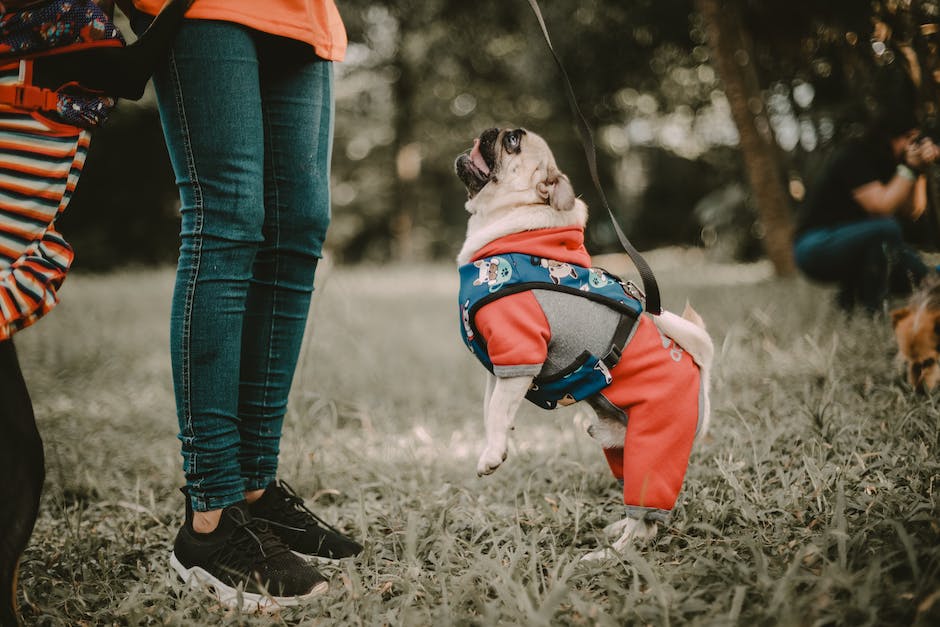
248, 120
867, 259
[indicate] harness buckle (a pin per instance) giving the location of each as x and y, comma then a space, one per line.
612, 358
632, 290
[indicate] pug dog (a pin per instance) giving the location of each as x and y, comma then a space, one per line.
917, 331
560, 337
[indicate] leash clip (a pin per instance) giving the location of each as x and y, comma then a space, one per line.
612, 358
632, 290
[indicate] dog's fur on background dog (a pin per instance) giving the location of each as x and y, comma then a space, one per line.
514, 185
917, 331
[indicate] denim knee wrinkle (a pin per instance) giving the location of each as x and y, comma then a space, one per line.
864, 258
248, 124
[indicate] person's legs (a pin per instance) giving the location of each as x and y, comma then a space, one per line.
210, 105
856, 256
907, 270
297, 105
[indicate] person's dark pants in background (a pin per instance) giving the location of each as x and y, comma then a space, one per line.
868, 260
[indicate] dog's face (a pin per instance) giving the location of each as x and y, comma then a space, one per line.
917, 331
512, 166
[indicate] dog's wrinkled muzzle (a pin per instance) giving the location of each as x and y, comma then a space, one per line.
475, 168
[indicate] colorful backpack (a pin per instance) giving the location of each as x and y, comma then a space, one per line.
46, 29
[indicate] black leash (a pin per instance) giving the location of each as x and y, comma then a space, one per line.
653, 303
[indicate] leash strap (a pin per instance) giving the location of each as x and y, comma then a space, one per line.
653, 303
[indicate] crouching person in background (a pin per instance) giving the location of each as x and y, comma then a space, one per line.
849, 231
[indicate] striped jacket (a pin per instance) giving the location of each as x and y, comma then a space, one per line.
40, 163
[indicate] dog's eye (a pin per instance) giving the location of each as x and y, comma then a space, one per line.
927, 363
512, 140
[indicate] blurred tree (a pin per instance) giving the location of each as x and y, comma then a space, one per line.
734, 60
432, 75
840, 64
422, 78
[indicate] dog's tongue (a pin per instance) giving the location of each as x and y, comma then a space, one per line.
477, 158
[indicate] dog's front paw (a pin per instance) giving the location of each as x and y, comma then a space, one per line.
490, 460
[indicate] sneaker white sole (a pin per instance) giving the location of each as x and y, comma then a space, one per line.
197, 577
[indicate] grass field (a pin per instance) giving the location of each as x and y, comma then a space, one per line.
815, 500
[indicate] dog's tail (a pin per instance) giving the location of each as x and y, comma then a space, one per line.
688, 331
692, 316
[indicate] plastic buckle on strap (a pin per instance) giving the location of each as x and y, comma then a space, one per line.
612, 358
31, 98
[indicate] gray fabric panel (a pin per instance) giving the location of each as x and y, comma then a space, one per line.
577, 325
517, 371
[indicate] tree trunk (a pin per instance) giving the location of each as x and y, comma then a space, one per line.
925, 35
733, 58
405, 197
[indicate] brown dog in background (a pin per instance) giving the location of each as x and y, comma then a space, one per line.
917, 330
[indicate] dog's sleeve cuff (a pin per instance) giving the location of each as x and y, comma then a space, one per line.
648, 513
524, 370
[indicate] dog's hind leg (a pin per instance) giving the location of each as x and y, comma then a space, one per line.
630, 530
502, 403
22, 470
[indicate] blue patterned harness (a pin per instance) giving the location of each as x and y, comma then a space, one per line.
490, 278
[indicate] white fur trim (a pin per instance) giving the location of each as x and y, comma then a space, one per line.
483, 227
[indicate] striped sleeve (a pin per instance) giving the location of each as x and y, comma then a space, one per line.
39, 169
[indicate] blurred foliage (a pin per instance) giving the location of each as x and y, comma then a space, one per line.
422, 78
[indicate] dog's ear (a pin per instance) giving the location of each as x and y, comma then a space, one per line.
899, 314
556, 189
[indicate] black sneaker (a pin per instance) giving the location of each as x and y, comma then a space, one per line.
243, 563
303, 531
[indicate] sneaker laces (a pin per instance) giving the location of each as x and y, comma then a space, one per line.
294, 511
250, 543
